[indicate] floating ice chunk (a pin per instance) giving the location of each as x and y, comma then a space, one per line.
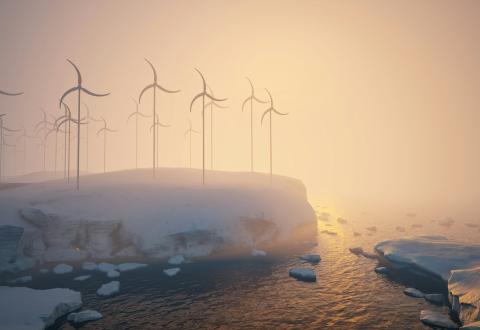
412, 292
381, 270
125, 267
113, 274
84, 316
258, 253
44, 271
30, 309
82, 278
106, 267
436, 319
87, 265
313, 258
176, 260
109, 289
23, 279
62, 269
369, 255
434, 298
303, 274
171, 271
356, 250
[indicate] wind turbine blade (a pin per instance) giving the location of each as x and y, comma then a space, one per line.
271, 99
79, 76
93, 94
154, 71
245, 102
163, 125
194, 131
252, 90
264, 114
10, 94
10, 129
100, 130
73, 89
279, 113
167, 90
258, 100
214, 98
144, 90
194, 99
220, 106
110, 130
130, 116
203, 80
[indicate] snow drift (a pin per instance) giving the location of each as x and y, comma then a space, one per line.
130, 214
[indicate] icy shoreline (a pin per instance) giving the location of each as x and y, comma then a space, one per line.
457, 264
130, 215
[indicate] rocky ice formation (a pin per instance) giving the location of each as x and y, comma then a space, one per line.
456, 263
84, 316
464, 293
174, 215
29, 309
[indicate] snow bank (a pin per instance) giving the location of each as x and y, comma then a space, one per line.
129, 214
458, 264
29, 309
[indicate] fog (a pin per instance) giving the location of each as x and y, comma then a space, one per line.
382, 97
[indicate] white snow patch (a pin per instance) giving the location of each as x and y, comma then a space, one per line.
109, 289
30, 309
171, 271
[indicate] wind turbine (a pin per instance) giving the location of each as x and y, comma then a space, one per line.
157, 124
88, 118
210, 105
250, 100
104, 129
154, 87
136, 113
39, 127
80, 89
202, 95
190, 131
24, 136
269, 111
3, 129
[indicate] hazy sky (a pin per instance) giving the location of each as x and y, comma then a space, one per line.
382, 95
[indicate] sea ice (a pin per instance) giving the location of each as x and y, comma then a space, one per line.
258, 253
30, 309
125, 267
23, 279
171, 271
436, 319
106, 267
176, 260
312, 258
84, 316
412, 292
113, 274
62, 269
109, 289
303, 274
82, 278
87, 265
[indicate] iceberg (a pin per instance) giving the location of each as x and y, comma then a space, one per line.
312, 258
176, 260
171, 271
29, 309
303, 274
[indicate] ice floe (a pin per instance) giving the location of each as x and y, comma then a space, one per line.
84, 316
171, 271
62, 269
109, 289
303, 274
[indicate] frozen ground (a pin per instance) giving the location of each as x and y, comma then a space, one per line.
130, 214
456, 263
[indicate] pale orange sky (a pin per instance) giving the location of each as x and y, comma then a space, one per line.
383, 96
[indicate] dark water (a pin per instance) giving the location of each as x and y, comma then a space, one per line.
257, 293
